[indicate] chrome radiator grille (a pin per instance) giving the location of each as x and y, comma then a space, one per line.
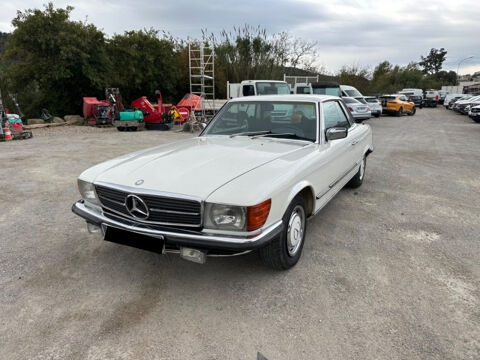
162, 210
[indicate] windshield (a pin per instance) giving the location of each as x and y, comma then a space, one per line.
371, 100
353, 93
303, 90
350, 100
334, 91
272, 88
296, 120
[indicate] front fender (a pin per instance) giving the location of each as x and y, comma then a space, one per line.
298, 188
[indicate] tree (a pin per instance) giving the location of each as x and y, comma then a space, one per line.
432, 63
248, 53
54, 61
356, 76
142, 62
300, 49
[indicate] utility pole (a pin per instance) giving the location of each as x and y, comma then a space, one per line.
458, 67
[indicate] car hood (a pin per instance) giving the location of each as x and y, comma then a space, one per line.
195, 167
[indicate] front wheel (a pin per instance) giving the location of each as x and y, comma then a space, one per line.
283, 252
412, 112
357, 180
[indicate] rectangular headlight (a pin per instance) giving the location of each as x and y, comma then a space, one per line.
225, 217
87, 190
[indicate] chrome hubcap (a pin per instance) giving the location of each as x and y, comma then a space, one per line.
296, 227
362, 169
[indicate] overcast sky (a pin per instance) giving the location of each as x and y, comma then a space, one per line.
347, 31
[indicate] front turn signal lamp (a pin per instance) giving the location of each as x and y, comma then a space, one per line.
257, 215
240, 218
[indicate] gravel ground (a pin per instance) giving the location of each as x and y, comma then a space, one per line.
389, 271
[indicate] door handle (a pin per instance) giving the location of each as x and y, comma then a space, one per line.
355, 142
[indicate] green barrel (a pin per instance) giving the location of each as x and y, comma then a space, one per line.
131, 115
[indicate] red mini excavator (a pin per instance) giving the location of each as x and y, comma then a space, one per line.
155, 115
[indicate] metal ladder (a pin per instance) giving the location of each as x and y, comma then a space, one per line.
202, 76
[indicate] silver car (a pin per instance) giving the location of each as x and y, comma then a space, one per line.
374, 104
359, 111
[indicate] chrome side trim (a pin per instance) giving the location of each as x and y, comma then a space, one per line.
343, 175
322, 194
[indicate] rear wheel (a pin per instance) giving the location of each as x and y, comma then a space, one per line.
399, 112
283, 252
377, 115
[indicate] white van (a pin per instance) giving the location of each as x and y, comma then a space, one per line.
350, 91
412, 92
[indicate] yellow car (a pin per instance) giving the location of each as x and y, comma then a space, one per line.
397, 104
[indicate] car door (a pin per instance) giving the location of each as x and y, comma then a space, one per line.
335, 156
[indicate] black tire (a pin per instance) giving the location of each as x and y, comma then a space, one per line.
282, 253
133, 128
120, 128
399, 112
357, 180
377, 115
412, 112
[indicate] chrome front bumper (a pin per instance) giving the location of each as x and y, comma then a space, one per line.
179, 237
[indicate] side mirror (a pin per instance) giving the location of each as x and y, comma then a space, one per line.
335, 133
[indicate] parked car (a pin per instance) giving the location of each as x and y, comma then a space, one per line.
463, 106
442, 94
249, 181
475, 101
449, 97
350, 91
417, 100
453, 101
374, 104
358, 110
397, 104
475, 113
432, 98
410, 91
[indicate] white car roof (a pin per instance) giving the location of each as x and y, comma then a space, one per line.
269, 81
273, 98
347, 87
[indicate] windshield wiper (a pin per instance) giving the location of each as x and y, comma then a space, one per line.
251, 133
286, 135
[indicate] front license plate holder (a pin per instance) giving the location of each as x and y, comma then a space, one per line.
139, 241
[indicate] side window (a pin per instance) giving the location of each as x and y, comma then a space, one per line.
334, 116
248, 90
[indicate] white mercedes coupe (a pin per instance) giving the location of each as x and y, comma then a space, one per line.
249, 181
